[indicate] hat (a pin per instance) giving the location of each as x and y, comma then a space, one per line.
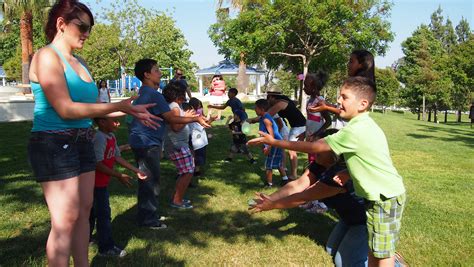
274, 91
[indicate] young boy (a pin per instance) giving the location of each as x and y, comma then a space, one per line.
239, 139
365, 149
107, 153
273, 154
146, 142
234, 103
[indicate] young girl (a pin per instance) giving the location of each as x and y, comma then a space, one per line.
177, 145
361, 63
104, 93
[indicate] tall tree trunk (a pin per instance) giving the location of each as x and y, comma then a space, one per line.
445, 116
429, 115
242, 78
459, 115
419, 113
435, 115
303, 95
26, 37
424, 108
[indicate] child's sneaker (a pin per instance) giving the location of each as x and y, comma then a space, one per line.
318, 207
307, 205
268, 185
184, 206
114, 252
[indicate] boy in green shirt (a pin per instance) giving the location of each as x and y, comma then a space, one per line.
365, 150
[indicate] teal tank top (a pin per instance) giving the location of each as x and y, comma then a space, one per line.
46, 118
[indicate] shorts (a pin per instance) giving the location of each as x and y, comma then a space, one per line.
273, 160
239, 148
60, 156
216, 100
295, 132
183, 160
200, 156
383, 225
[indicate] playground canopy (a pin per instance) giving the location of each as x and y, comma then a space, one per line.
227, 67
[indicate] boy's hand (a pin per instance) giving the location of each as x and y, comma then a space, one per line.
319, 107
125, 147
141, 175
125, 179
264, 139
341, 178
263, 203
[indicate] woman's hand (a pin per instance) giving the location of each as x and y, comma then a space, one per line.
140, 112
264, 139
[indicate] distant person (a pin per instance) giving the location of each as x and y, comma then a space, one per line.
471, 114
273, 155
104, 92
60, 148
179, 77
234, 103
217, 93
239, 139
107, 153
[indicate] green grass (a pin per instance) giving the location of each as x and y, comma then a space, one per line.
436, 161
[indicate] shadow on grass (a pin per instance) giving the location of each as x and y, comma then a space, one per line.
446, 134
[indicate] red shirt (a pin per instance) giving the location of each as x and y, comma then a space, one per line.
105, 146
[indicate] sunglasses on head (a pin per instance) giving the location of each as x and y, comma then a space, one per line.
82, 26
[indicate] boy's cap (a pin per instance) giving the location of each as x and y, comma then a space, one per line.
274, 91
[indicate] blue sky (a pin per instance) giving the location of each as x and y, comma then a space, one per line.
194, 17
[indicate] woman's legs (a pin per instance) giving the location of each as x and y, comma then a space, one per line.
63, 200
80, 241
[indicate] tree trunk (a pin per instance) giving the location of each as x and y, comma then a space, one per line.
445, 116
429, 115
303, 96
424, 108
419, 113
26, 37
242, 78
435, 115
459, 115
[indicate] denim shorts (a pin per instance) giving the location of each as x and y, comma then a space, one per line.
58, 156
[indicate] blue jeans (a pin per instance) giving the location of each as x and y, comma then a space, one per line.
100, 216
148, 160
348, 245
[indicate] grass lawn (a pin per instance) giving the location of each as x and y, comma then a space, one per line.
435, 160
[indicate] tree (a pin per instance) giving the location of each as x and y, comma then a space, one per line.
296, 34
387, 87
463, 30
24, 11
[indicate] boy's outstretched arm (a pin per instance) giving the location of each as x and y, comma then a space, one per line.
317, 191
141, 175
301, 146
217, 106
122, 177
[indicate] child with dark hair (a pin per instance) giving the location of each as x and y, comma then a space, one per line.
177, 144
147, 143
107, 153
273, 155
234, 103
370, 166
239, 139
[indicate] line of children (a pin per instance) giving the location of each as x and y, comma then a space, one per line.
364, 146
107, 153
273, 155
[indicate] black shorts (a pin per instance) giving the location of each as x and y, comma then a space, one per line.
55, 157
200, 156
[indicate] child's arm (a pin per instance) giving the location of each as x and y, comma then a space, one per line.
122, 177
317, 191
323, 106
268, 126
253, 120
141, 175
301, 146
217, 106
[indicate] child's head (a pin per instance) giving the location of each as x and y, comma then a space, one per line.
187, 106
195, 103
361, 63
107, 124
261, 106
314, 82
357, 96
175, 92
232, 92
148, 70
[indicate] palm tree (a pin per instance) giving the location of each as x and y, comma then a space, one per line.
240, 6
24, 11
